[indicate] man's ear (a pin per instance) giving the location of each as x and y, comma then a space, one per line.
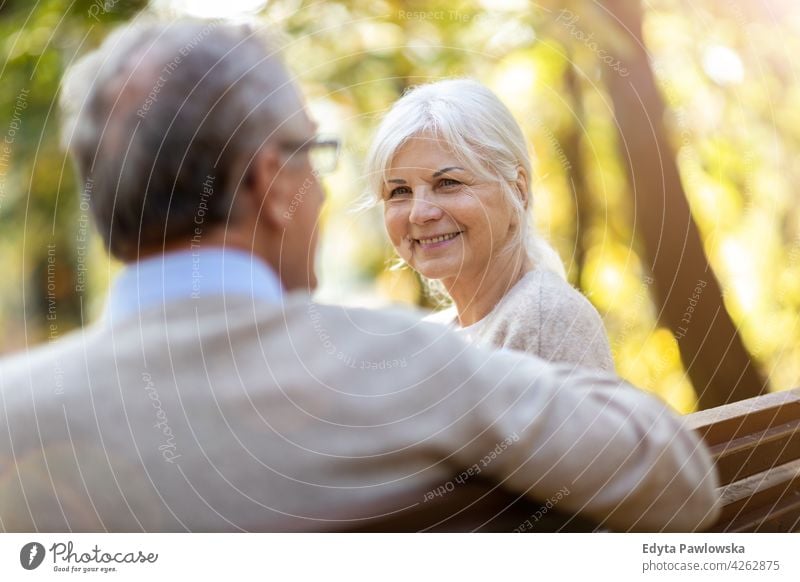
522, 185
265, 189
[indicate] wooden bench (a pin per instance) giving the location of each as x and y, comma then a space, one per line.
756, 449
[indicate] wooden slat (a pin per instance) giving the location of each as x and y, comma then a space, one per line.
755, 444
781, 517
753, 453
762, 490
726, 423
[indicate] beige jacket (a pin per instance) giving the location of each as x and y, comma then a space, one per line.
225, 415
545, 316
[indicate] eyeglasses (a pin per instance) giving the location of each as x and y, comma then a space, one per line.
323, 153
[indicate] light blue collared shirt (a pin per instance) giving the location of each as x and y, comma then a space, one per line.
190, 274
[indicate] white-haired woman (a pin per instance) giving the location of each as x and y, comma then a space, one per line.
451, 166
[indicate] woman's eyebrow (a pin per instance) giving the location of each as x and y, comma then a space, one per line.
435, 175
445, 170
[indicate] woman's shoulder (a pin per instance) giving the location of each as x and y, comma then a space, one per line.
562, 305
524, 297
557, 294
540, 294
544, 314
515, 322
572, 328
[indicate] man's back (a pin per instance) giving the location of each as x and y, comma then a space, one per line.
225, 414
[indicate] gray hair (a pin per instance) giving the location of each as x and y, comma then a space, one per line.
484, 136
163, 110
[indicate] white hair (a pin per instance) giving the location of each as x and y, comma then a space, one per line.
484, 136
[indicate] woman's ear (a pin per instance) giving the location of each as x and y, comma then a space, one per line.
522, 185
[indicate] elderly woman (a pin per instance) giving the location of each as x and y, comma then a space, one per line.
451, 166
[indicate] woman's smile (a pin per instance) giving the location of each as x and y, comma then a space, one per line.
435, 242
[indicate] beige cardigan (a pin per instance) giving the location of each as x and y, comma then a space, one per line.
545, 316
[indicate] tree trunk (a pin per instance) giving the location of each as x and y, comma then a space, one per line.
576, 170
687, 291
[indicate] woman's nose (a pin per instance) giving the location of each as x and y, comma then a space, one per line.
423, 210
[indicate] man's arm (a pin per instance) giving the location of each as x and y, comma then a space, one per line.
624, 457
534, 426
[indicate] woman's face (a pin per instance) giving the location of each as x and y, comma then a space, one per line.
444, 221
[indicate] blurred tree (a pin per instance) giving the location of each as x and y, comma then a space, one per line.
39, 211
576, 168
689, 295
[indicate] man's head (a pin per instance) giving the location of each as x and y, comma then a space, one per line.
191, 134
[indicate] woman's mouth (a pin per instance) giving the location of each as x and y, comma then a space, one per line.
436, 241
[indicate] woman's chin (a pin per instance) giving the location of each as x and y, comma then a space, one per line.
430, 270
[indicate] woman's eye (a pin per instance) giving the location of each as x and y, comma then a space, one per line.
400, 191
448, 182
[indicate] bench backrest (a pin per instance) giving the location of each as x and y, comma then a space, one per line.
756, 449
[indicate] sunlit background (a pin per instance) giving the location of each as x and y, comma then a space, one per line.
726, 71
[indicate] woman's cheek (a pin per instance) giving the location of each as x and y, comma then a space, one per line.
395, 226
404, 249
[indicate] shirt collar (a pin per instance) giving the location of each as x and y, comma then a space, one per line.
191, 274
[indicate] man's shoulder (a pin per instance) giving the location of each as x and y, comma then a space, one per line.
447, 316
208, 316
294, 309
42, 374
371, 330
390, 318
70, 347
